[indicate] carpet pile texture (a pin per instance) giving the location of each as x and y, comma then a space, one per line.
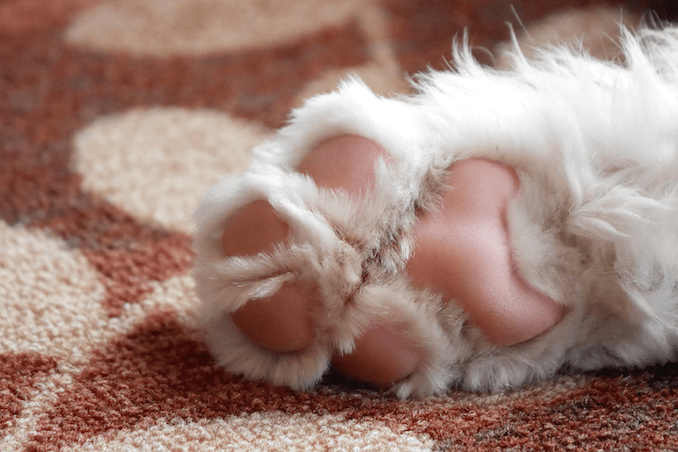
115, 117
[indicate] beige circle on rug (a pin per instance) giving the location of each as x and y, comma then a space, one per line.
263, 431
176, 294
51, 296
156, 164
200, 27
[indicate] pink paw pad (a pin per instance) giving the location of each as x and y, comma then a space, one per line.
278, 323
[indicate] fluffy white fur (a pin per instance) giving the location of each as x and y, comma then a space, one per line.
596, 225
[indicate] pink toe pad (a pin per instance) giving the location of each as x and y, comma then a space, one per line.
344, 163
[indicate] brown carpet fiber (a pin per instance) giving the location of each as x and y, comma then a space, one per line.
115, 116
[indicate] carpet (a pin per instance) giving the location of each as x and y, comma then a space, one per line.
115, 117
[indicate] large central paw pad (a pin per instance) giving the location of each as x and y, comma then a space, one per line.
463, 252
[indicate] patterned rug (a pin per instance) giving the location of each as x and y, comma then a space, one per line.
115, 116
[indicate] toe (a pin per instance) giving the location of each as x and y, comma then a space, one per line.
381, 357
281, 322
254, 229
345, 162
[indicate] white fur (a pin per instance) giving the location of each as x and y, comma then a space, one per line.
595, 227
